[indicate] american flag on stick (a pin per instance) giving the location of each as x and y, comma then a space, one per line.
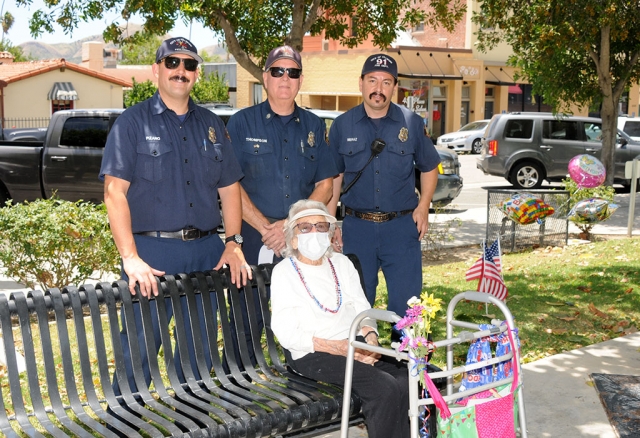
488, 270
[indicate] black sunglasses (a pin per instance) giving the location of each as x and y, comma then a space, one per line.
278, 72
171, 62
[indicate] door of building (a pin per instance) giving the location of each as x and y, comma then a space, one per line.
439, 118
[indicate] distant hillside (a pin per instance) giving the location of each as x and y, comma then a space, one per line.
72, 52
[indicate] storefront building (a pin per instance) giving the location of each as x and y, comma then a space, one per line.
440, 76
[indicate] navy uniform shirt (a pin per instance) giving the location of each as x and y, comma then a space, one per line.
175, 168
281, 159
388, 183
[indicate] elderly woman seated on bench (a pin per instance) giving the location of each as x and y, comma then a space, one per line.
315, 296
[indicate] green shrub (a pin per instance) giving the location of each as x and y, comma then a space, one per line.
56, 243
577, 194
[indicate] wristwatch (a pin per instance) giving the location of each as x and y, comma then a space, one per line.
237, 238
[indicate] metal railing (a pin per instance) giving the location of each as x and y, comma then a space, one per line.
25, 122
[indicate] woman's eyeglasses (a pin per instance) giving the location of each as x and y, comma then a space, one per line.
278, 72
306, 227
171, 62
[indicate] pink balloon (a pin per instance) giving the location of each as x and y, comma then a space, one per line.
587, 171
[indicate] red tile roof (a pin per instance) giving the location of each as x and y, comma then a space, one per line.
17, 71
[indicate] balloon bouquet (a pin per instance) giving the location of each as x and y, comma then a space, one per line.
588, 172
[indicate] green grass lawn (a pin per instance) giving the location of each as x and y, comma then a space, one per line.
561, 298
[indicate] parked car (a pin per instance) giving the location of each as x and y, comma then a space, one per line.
528, 148
466, 139
449, 179
630, 126
66, 162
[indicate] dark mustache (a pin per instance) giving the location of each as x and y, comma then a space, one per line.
375, 93
179, 77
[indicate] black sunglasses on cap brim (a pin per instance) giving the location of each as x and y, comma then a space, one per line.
278, 72
171, 62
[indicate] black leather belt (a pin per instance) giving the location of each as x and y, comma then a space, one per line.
376, 217
186, 234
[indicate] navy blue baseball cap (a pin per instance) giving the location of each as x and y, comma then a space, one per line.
177, 45
380, 62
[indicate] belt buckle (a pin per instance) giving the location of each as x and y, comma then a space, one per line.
190, 234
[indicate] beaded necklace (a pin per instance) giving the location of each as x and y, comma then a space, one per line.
313, 297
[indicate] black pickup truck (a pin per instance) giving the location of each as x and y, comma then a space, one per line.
67, 162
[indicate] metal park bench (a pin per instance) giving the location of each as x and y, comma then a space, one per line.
70, 341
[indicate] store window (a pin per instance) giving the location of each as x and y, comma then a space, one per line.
521, 99
59, 105
465, 105
414, 94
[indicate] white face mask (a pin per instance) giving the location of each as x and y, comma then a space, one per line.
313, 245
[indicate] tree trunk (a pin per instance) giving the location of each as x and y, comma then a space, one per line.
608, 112
609, 117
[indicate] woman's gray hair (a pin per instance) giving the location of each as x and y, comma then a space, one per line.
289, 226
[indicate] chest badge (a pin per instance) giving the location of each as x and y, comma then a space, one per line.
311, 139
212, 135
404, 134
226, 134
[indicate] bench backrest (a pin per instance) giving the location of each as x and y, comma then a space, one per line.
71, 344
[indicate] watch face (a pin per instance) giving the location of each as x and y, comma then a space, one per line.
237, 238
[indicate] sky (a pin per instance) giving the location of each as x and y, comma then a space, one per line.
19, 32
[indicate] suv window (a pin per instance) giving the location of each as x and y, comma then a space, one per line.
560, 130
520, 128
593, 132
85, 132
632, 128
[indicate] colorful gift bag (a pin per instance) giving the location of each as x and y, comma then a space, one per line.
489, 414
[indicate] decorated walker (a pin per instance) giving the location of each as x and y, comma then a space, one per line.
489, 402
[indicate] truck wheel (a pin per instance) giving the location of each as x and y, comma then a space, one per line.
476, 146
526, 175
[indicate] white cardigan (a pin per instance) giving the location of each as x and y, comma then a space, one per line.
297, 319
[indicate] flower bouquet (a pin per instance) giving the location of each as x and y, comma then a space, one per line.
415, 327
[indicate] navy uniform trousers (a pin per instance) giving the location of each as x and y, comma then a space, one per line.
173, 256
392, 246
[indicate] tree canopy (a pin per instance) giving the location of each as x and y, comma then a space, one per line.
571, 51
252, 28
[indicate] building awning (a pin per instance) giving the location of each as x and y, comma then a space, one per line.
498, 75
421, 64
62, 91
515, 89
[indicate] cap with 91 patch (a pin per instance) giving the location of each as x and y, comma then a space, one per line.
380, 62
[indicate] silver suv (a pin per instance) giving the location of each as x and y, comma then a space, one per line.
528, 148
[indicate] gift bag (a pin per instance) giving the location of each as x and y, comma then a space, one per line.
488, 414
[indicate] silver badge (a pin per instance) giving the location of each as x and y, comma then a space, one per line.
311, 139
404, 134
